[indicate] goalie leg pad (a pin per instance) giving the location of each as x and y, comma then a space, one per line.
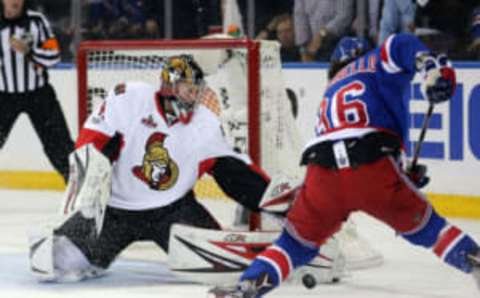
69, 262
57, 259
219, 257
41, 254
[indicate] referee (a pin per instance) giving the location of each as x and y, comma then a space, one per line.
27, 48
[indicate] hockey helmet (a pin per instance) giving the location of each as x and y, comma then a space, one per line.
348, 48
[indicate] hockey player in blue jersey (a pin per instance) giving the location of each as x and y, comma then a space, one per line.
353, 163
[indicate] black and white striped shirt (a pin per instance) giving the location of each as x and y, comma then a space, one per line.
20, 73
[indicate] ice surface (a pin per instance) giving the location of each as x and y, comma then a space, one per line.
408, 272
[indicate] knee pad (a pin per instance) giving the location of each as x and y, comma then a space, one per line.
41, 254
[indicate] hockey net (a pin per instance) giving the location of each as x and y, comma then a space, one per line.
246, 75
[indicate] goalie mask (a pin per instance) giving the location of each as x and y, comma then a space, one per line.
182, 79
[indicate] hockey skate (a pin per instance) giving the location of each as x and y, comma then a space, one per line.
244, 289
474, 259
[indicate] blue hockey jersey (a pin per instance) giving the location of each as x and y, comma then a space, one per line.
371, 93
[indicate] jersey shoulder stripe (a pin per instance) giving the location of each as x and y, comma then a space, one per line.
388, 63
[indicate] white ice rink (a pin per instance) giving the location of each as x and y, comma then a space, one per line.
408, 272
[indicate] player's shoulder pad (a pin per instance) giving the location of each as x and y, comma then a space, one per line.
129, 97
207, 122
397, 50
132, 90
387, 55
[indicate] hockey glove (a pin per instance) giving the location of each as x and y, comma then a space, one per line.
439, 77
418, 175
280, 194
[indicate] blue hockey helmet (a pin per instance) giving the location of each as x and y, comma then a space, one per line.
348, 48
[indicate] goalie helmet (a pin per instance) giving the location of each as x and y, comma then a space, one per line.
183, 78
181, 69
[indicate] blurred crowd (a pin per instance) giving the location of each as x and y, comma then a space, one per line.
306, 29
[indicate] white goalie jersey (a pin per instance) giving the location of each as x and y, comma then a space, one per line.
158, 163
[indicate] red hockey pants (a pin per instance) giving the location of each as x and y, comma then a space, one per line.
380, 189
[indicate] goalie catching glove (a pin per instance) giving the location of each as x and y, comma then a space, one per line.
439, 77
279, 195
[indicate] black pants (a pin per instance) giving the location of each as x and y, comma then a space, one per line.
45, 113
123, 227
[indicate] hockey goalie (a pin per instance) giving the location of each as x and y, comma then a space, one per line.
138, 157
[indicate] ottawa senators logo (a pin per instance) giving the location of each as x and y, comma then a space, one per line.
157, 170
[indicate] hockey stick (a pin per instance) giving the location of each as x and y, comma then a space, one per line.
421, 138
